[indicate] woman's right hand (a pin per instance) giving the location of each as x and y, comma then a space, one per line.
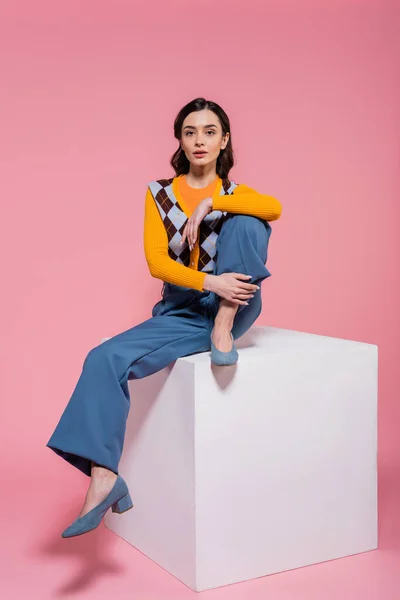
231, 286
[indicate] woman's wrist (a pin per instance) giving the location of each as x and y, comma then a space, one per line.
208, 282
209, 203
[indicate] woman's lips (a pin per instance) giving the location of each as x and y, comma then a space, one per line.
199, 154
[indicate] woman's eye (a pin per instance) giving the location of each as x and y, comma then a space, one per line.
209, 131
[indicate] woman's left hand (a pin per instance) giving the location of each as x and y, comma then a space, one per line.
192, 226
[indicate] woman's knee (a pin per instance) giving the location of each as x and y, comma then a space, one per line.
252, 229
97, 355
247, 223
254, 234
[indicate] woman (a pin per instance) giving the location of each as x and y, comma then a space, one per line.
207, 238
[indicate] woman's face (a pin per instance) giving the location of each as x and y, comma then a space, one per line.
202, 132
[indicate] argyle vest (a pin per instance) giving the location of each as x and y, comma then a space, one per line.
174, 219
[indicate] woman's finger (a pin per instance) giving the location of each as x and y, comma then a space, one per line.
184, 234
248, 286
237, 301
246, 293
194, 232
189, 233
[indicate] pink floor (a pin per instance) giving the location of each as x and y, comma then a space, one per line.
37, 564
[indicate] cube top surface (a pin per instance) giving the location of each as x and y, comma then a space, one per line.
259, 341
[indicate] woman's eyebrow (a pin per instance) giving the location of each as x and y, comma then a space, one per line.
193, 127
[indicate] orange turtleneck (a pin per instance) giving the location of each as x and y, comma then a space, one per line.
243, 200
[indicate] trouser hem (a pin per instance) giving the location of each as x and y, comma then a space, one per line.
83, 463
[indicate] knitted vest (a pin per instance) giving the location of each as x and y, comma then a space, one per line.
175, 219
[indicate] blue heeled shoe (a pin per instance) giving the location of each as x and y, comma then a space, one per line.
118, 499
224, 358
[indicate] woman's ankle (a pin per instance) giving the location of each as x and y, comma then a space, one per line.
223, 324
98, 471
226, 314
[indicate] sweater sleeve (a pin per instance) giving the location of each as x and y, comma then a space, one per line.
247, 201
161, 265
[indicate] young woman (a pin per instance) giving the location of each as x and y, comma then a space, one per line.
206, 238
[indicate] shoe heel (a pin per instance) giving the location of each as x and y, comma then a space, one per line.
125, 503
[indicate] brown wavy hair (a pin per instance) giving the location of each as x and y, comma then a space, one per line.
225, 160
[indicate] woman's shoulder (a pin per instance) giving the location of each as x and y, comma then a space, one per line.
162, 181
162, 186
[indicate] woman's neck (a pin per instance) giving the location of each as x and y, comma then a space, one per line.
200, 180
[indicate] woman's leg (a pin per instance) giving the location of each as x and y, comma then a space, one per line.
242, 247
91, 431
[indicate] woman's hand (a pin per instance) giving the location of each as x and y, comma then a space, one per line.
231, 287
192, 226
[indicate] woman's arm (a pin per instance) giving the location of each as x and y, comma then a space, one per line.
161, 265
246, 201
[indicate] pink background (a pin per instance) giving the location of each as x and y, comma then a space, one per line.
89, 91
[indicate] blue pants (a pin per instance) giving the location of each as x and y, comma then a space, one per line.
92, 426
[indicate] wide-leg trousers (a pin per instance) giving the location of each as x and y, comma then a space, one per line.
92, 426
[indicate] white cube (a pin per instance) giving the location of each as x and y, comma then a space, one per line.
239, 472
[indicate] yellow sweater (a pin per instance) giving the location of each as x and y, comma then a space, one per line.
244, 200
